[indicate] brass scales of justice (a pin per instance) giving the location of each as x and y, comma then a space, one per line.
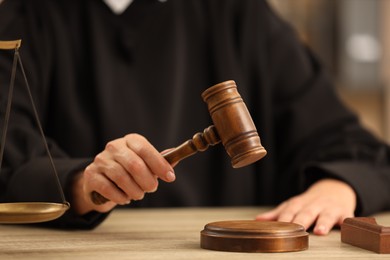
233, 126
26, 212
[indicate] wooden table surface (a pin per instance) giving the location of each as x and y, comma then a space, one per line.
159, 234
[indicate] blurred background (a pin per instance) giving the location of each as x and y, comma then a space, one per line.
352, 39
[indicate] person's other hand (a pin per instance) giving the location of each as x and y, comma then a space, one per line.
325, 204
125, 170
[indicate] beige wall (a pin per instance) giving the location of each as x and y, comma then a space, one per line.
386, 65
314, 19
370, 107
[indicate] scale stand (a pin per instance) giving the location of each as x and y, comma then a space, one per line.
27, 212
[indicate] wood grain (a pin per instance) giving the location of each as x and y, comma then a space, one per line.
167, 234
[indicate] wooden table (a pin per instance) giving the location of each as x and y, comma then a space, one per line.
159, 234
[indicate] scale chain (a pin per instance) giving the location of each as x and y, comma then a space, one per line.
17, 60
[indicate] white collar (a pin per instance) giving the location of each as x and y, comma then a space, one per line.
117, 6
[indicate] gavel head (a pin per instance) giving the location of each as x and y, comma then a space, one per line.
234, 124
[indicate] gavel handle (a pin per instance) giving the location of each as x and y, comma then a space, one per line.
199, 142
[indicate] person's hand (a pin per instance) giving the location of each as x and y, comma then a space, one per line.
325, 204
125, 170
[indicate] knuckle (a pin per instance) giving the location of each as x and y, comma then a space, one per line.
151, 186
330, 214
135, 165
138, 195
114, 146
88, 171
99, 159
310, 214
136, 142
294, 203
110, 146
134, 136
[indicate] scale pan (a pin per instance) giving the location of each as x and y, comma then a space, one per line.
30, 212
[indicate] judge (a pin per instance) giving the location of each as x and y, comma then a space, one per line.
115, 85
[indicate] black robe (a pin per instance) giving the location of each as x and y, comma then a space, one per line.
96, 76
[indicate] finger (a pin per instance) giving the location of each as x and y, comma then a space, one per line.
153, 159
325, 222
133, 175
118, 178
97, 181
307, 216
126, 182
291, 209
286, 216
269, 215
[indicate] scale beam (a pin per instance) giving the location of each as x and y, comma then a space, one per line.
10, 45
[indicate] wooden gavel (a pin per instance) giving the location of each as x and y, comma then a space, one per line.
233, 126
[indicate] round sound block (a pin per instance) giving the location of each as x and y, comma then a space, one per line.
254, 236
